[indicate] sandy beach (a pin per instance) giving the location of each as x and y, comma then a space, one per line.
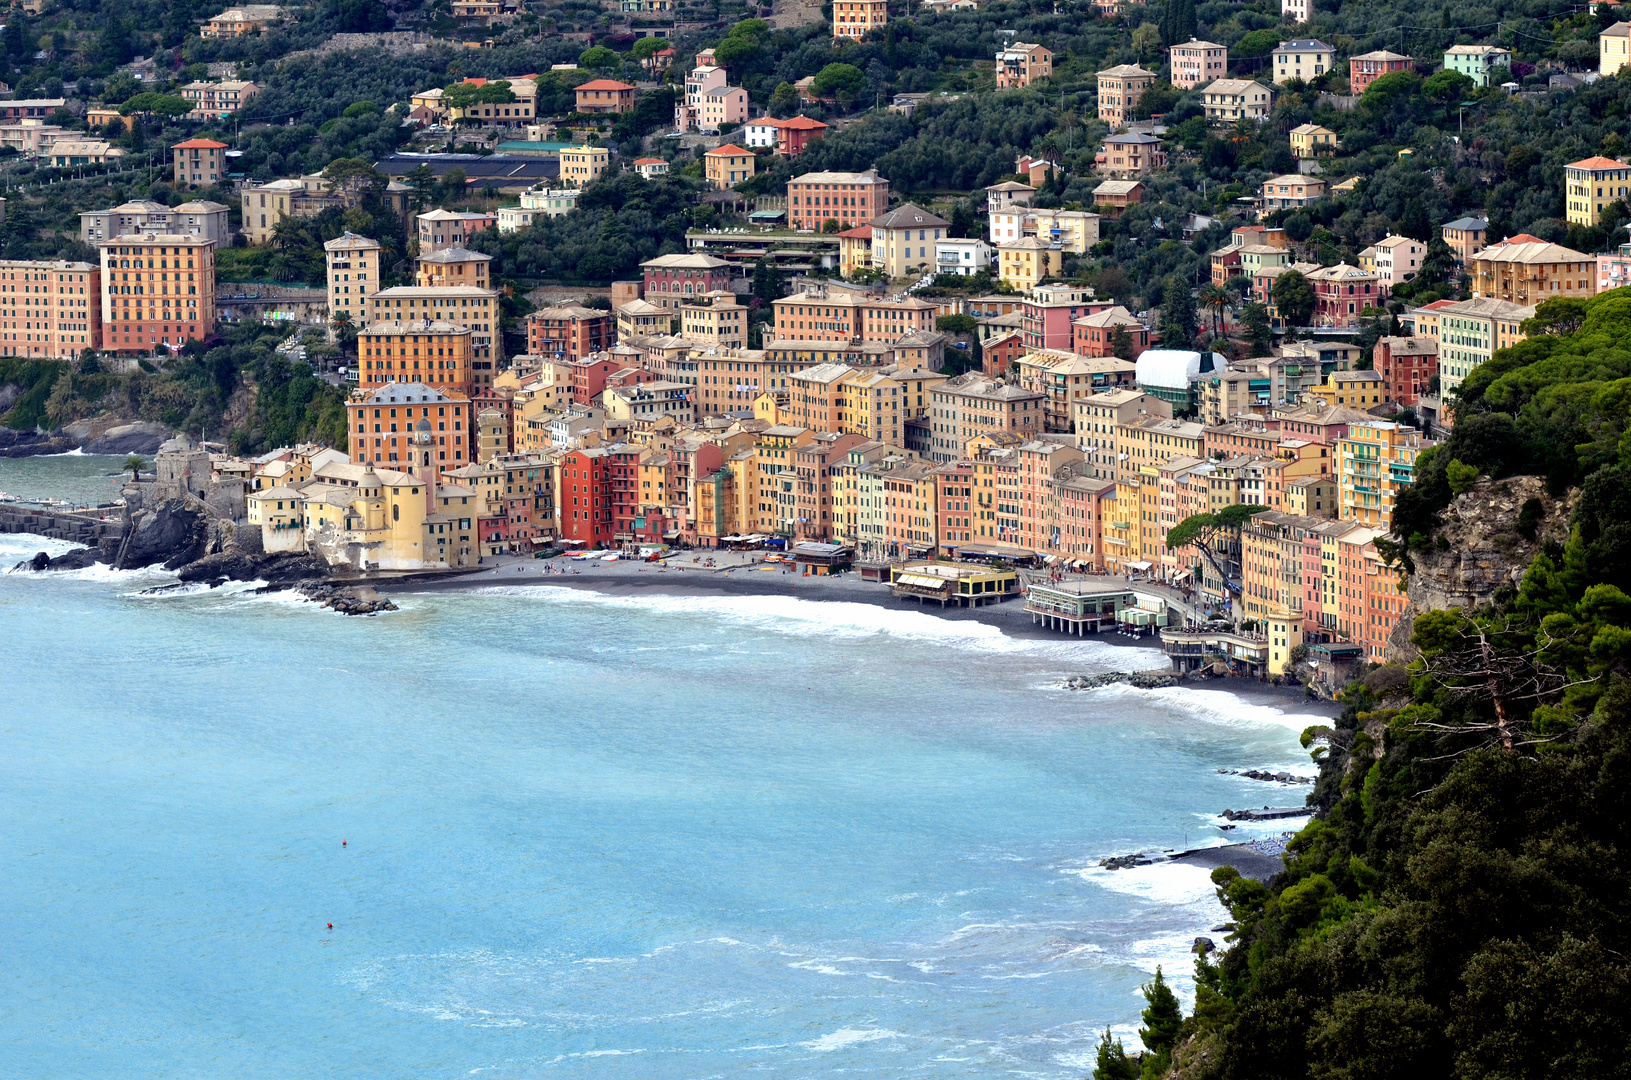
745, 575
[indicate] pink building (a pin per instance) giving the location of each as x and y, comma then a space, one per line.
1048, 312
1342, 293
1197, 63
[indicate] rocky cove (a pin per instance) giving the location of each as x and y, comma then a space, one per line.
103, 435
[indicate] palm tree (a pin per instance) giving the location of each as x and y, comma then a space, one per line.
135, 463
1216, 298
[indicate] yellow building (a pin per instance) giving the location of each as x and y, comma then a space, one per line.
583, 165
714, 320
1590, 185
1363, 390
1612, 49
1120, 533
855, 250
1376, 460
880, 402
1024, 264
903, 241
728, 166
1311, 140
353, 276
1524, 269
1312, 496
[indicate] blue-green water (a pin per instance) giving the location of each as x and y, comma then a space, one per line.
82, 479
726, 836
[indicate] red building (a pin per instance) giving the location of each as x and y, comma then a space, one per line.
793, 135
670, 279
592, 374
570, 332
1407, 366
600, 494
1366, 68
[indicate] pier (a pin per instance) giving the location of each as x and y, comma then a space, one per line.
88, 527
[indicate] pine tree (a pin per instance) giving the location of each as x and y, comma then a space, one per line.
1178, 319
1162, 1020
1177, 22
1121, 343
1113, 1063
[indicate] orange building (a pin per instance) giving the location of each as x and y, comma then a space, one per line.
432, 352
853, 18
158, 289
728, 166
383, 419
52, 310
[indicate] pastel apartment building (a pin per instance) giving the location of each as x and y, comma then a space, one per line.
1476, 61
1196, 63
1119, 90
1228, 101
604, 96
240, 21
1465, 236
158, 289
353, 276
583, 165
854, 19
1304, 59
1527, 270
438, 229
1612, 49
217, 100
728, 165
199, 162
51, 310
1591, 184
1021, 64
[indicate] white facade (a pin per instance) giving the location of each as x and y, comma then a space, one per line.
1009, 225
964, 257
757, 134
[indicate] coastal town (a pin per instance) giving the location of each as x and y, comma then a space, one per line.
1081, 352
861, 416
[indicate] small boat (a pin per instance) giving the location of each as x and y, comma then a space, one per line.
4, 498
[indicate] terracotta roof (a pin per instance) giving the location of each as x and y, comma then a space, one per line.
199, 144
802, 123
729, 150
860, 232
1598, 162
605, 84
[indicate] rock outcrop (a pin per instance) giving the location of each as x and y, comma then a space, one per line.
141, 437
169, 532
1481, 546
77, 559
15, 443
232, 564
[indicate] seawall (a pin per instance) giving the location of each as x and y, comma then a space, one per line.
76, 528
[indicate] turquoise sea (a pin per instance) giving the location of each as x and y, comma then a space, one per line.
560, 833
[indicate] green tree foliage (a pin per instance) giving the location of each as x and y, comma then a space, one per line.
1178, 317
835, 79
1162, 1022
1460, 477
1113, 1062
597, 58
1178, 23
620, 221
1294, 297
647, 46
158, 104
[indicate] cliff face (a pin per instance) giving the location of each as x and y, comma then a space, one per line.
1480, 547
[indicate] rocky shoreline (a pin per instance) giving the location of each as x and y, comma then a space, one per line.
105, 435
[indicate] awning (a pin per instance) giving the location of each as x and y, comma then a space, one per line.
1138, 566
924, 581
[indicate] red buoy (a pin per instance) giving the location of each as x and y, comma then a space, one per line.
342, 843
331, 926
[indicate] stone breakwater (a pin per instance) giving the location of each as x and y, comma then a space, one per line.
347, 599
1143, 680
1268, 777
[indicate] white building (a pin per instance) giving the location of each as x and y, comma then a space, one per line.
963, 257
760, 133
537, 203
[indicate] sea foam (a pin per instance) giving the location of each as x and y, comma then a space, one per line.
838, 619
